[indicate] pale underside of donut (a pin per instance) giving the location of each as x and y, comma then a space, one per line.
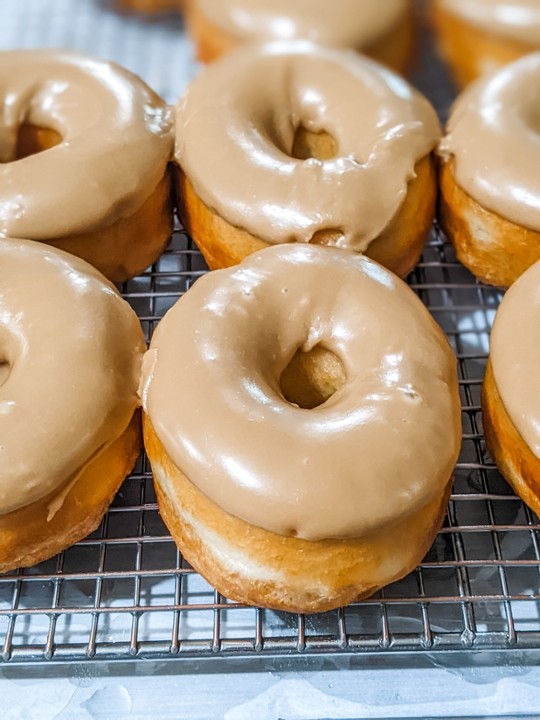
255, 566
495, 250
516, 461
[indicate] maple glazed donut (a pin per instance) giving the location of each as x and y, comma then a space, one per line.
291, 142
150, 6
511, 389
477, 37
490, 188
302, 420
382, 30
70, 357
84, 152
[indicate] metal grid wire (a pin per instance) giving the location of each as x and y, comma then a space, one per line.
125, 591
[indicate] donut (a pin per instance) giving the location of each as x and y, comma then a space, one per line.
511, 388
490, 190
70, 356
149, 6
382, 30
289, 142
308, 459
84, 153
477, 37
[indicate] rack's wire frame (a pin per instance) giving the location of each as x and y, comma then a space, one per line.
125, 593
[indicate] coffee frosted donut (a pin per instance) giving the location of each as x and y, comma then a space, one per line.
490, 187
307, 460
84, 151
511, 390
70, 357
477, 37
290, 142
383, 30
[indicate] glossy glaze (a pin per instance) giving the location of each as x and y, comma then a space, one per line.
517, 19
382, 446
116, 142
515, 355
494, 137
341, 23
73, 349
235, 129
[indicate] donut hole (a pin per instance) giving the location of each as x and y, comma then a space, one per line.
311, 378
308, 144
5, 369
32, 140
329, 236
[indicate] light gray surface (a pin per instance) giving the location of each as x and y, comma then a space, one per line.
156, 49
436, 693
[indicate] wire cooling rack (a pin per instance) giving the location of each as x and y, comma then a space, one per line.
125, 591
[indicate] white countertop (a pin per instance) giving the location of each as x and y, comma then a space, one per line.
379, 693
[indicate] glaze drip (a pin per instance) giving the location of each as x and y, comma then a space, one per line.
240, 159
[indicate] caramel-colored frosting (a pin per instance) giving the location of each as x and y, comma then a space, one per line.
116, 142
493, 136
381, 446
235, 130
515, 355
341, 23
516, 19
70, 357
